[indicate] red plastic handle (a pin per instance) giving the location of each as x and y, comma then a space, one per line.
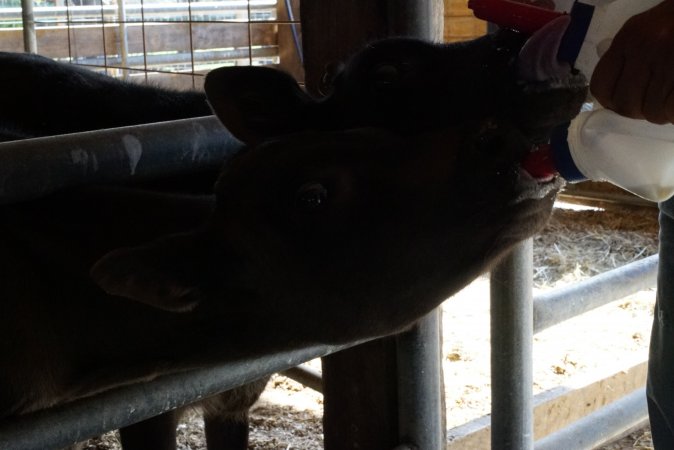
517, 16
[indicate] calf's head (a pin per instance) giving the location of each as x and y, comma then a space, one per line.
351, 216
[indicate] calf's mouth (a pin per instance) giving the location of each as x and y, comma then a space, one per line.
553, 88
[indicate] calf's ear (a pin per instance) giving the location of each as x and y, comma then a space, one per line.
163, 274
256, 103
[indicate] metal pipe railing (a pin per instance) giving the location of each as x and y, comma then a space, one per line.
222, 11
511, 288
28, 24
80, 420
306, 376
179, 146
558, 305
161, 59
601, 426
512, 334
36, 167
420, 386
33, 168
123, 39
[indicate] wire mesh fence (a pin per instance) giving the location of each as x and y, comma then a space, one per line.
171, 43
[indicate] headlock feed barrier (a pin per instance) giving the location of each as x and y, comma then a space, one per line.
36, 167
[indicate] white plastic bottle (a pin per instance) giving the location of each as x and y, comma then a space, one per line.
604, 146
636, 155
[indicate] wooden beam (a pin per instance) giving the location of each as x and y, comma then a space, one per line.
361, 384
360, 397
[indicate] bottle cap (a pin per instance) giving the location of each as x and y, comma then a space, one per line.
522, 17
561, 155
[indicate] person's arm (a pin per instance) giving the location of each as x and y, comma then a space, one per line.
635, 77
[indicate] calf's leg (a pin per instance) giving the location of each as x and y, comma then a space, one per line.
226, 433
155, 433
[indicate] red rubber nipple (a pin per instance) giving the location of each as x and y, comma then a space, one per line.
539, 163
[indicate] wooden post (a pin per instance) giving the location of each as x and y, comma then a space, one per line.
360, 397
361, 384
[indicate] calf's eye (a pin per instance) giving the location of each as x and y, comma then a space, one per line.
386, 75
311, 197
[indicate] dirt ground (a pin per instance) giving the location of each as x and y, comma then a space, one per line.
575, 245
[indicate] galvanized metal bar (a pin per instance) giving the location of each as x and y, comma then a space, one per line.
421, 412
36, 167
123, 39
421, 18
511, 350
162, 59
153, 12
573, 193
558, 305
28, 24
602, 426
83, 419
306, 376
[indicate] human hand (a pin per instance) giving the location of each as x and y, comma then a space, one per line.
635, 77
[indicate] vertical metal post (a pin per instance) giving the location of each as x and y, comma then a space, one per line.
424, 18
123, 38
421, 409
511, 351
28, 23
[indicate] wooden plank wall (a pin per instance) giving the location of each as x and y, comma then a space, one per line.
460, 24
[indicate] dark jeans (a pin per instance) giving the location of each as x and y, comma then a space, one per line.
660, 388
